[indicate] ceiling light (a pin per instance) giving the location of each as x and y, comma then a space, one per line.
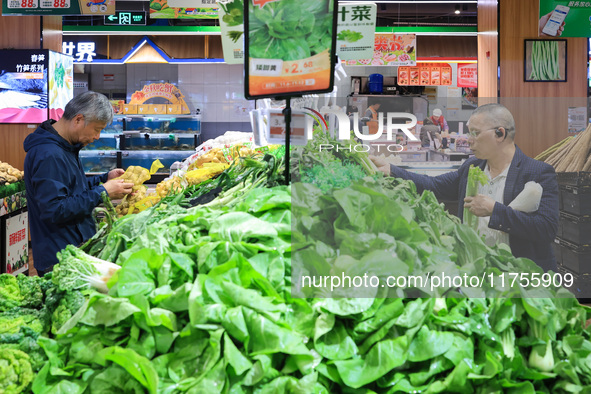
457, 11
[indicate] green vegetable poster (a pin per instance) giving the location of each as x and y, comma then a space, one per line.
564, 18
290, 47
161, 9
355, 31
232, 29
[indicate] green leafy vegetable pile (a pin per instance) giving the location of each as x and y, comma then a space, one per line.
290, 29
349, 36
29, 308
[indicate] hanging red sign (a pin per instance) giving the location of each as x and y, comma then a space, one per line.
425, 74
467, 75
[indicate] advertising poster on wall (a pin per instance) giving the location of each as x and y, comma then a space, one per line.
23, 86
231, 14
61, 83
289, 47
182, 9
563, 18
356, 31
58, 7
391, 50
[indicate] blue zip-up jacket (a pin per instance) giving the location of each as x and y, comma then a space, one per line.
60, 197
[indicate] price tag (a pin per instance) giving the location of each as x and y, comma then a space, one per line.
298, 127
55, 4
22, 4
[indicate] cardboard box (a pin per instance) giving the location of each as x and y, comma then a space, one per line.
173, 109
144, 109
158, 109
130, 109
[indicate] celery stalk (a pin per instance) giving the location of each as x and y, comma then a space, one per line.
476, 177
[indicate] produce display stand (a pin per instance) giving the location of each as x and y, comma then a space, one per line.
14, 229
573, 243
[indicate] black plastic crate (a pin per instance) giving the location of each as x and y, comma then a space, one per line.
573, 257
575, 229
576, 200
581, 287
580, 178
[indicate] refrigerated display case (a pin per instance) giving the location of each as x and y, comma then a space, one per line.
138, 140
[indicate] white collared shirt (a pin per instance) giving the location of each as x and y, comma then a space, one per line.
494, 189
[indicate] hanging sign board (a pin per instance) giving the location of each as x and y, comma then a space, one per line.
425, 74
58, 7
467, 75
232, 29
181, 9
356, 31
289, 47
564, 18
391, 50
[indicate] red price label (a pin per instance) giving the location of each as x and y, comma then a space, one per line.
59, 3
27, 4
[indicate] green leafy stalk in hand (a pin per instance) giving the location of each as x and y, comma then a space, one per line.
476, 177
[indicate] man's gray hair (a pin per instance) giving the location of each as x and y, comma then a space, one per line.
498, 116
95, 107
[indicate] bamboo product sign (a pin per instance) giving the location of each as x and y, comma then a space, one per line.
545, 61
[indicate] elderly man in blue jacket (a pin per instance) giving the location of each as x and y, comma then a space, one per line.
508, 169
60, 197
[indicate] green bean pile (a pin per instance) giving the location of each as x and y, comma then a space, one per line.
545, 65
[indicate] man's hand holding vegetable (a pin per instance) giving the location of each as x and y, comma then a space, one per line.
117, 188
488, 185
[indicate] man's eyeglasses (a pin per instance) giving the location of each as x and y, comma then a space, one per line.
476, 133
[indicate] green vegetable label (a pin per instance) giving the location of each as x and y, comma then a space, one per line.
290, 46
564, 18
355, 31
232, 29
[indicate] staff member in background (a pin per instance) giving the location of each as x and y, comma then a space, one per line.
438, 120
429, 132
59, 195
372, 113
492, 134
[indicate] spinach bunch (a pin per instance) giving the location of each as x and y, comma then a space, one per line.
290, 29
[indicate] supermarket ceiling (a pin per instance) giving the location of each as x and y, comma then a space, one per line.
390, 13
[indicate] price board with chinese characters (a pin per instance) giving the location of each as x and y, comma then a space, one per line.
58, 7
15, 245
293, 51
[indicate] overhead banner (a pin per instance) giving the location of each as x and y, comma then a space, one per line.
289, 47
232, 29
467, 75
391, 50
564, 18
425, 74
58, 7
356, 31
181, 9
